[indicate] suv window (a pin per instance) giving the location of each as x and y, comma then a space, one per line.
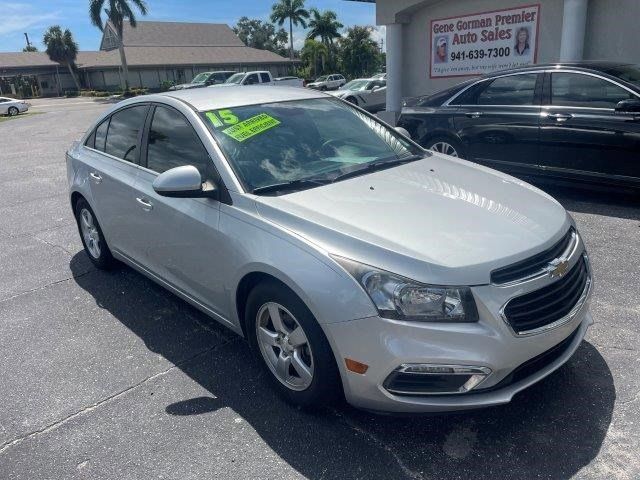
123, 132
577, 90
265, 77
510, 90
173, 143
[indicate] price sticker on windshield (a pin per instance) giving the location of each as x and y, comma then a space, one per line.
222, 118
251, 127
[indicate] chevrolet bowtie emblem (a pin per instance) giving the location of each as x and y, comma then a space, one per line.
558, 268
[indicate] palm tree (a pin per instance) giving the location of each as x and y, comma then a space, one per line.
324, 25
62, 48
118, 12
313, 53
294, 11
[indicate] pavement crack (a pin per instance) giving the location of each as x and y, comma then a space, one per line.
409, 473
58, 423
62, 280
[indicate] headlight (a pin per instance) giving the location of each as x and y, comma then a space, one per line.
400, 298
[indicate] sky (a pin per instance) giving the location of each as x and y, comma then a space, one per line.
34, 16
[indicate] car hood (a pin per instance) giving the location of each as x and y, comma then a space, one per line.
343, 93
437, 220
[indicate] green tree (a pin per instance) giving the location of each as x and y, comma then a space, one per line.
263, 35
292, 10
359, 53
325, 25
30, 48
314, 54
118, 12
61, 48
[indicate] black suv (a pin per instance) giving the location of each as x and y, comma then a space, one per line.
579, 121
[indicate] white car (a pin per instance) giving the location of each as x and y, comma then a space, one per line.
367, 93
328, 82
380, 76
12, 107
262, 78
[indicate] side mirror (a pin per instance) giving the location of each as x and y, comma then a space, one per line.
183, 182
403, 131
628, 106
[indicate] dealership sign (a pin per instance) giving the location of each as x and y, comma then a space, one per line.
483, 42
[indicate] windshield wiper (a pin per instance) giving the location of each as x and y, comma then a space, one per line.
299, 184
375, 166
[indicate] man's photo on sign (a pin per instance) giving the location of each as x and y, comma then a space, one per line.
440, 48
521, 47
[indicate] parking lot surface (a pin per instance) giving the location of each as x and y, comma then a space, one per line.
107, 375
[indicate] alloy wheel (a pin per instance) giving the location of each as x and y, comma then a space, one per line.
444, 147
90, 233
13, 111
284, 346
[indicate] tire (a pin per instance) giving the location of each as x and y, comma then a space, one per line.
324, 386
13, 111
323, 88
92, 237
445, 145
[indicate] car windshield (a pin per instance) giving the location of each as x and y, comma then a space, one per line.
324, 78
236, 78
200, 78
314, 140
628, 73
356, 85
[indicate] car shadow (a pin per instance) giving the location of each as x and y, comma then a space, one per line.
551, 430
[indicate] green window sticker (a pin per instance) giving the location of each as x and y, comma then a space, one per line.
251, 127
227, 116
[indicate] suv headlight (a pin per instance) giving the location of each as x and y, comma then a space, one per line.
400, 298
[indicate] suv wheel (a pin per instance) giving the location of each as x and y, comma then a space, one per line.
92, 237
292, 346
446, 146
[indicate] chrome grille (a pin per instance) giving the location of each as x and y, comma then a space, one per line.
544, 307
535, 264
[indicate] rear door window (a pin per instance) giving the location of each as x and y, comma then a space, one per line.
123, 133
578, 90
511, 90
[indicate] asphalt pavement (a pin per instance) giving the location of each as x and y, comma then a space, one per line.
107, 375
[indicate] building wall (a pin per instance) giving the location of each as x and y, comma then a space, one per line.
610, 32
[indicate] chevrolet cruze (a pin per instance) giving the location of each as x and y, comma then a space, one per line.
356, 263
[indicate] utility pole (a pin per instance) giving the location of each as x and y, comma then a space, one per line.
27, 37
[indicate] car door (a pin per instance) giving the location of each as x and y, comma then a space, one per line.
378, 96
4, 109
112, 156
582, 134
497, 120
181, 234
252, 79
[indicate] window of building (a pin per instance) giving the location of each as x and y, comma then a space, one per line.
173, 143
578, 90
123, 133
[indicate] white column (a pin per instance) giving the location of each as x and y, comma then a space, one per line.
574, 22
394, 72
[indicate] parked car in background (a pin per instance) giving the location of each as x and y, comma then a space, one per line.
577, 121
262, 78
328, 82
354, 261
205, 79
367, 93
12, 107
380, 76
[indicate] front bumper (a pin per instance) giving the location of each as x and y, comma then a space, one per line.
385, 344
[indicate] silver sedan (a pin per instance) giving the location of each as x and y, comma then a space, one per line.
357, 264
12, 107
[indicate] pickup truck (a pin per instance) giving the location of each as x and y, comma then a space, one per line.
262, 77
205, 79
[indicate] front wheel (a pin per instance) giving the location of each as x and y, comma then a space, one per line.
292, 346
13, 111
446, 146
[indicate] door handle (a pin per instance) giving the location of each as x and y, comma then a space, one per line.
147, 206
473, 114
560, 117
96, 178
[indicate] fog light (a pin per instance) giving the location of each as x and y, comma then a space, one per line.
434, 379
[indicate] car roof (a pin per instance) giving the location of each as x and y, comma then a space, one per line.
217, 97
598, 65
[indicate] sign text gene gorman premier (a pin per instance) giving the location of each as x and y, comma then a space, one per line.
483, 42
